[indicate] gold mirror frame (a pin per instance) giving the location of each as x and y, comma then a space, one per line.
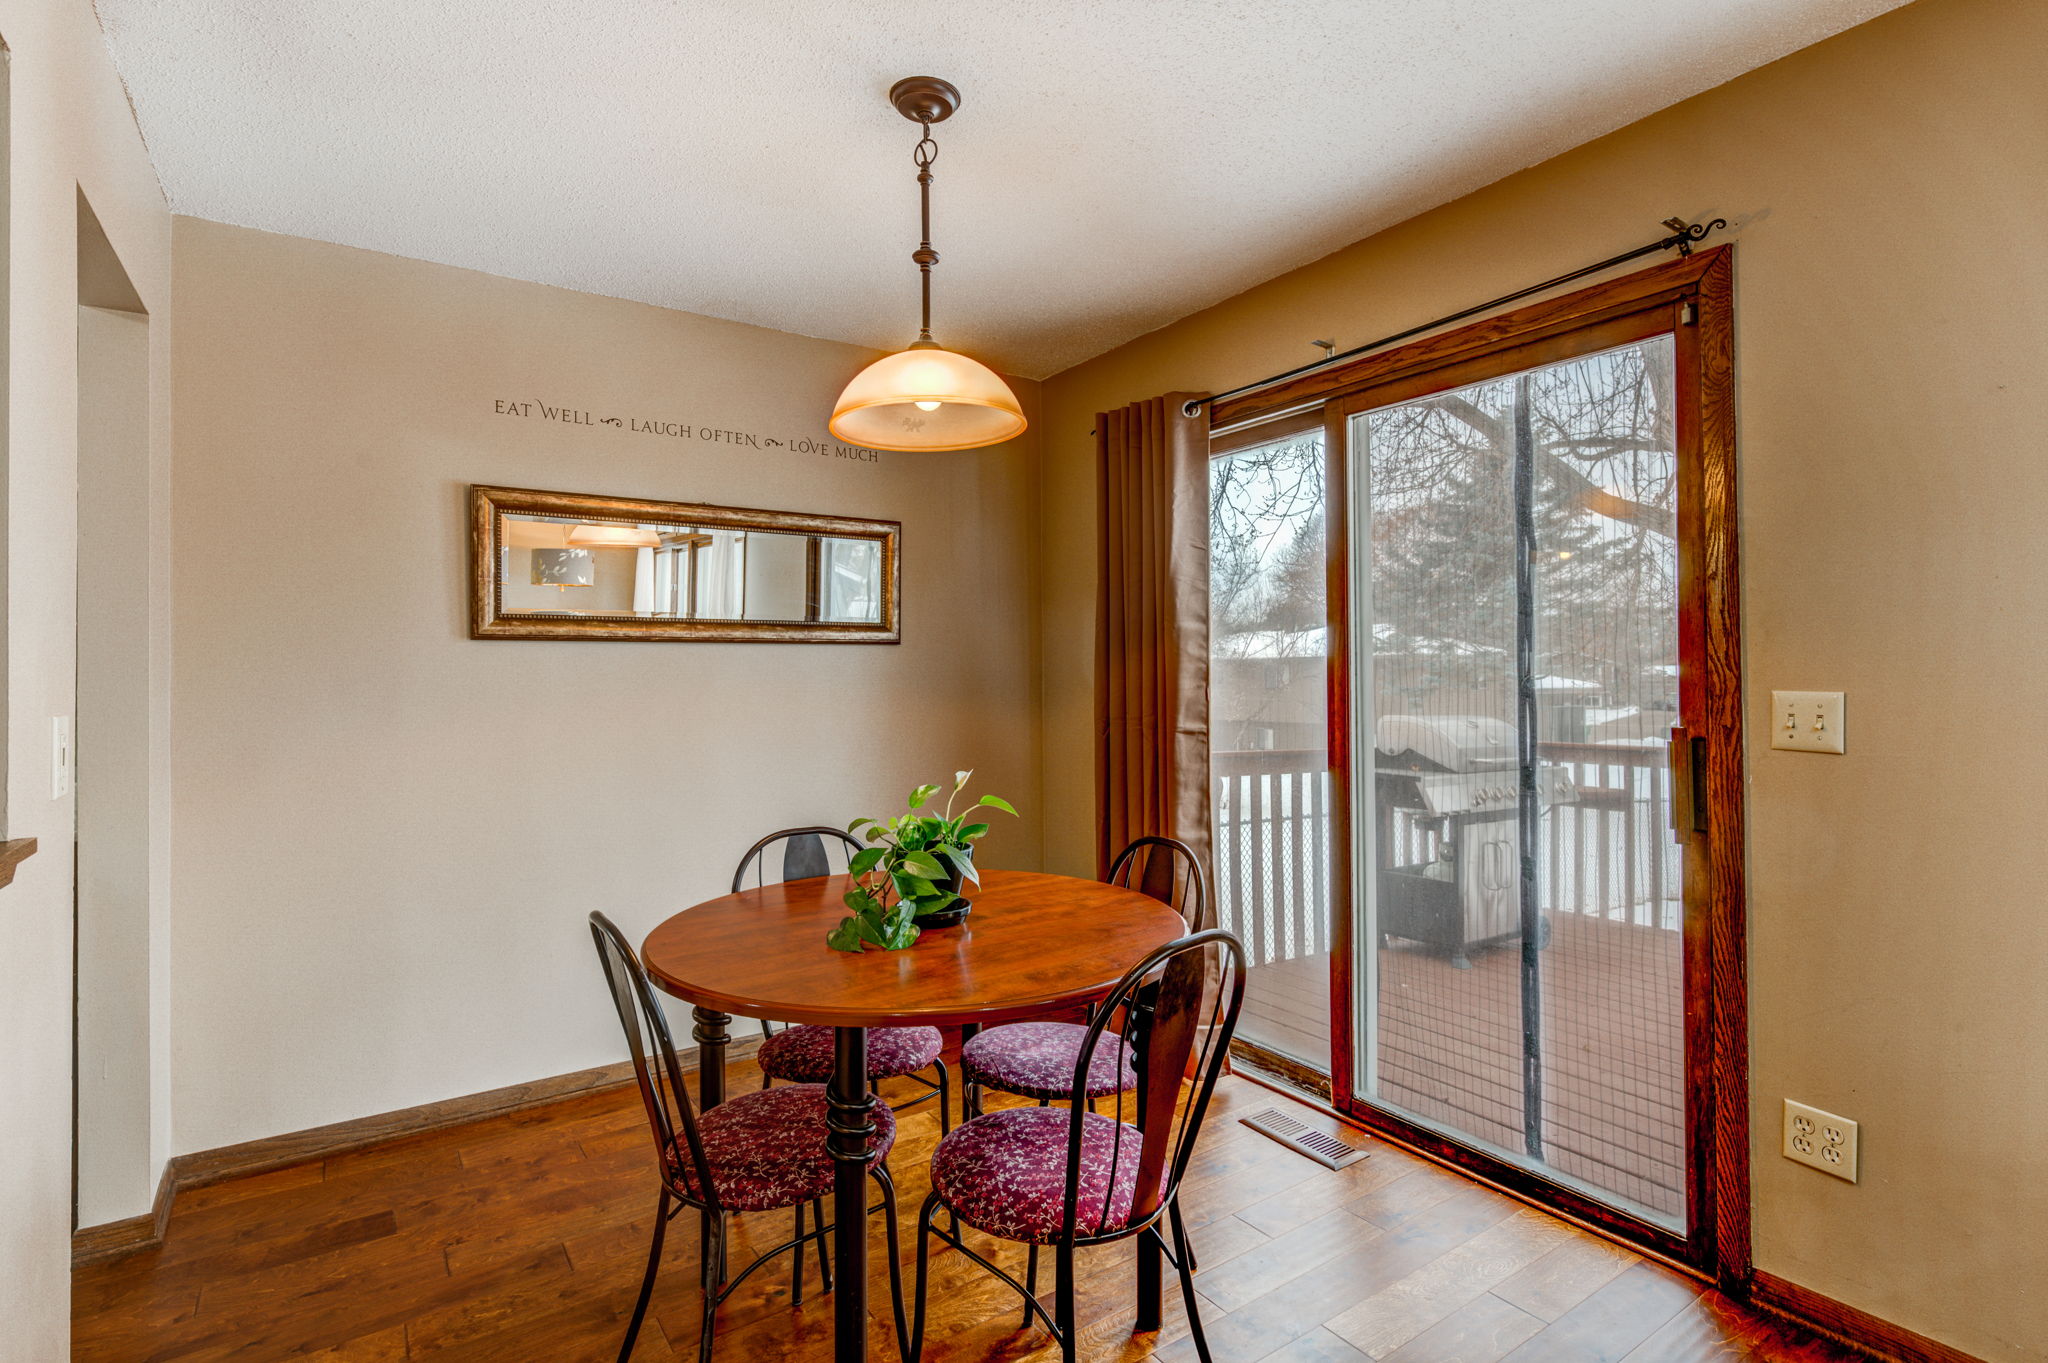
488, 507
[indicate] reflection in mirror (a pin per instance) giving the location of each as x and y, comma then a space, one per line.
558, 561
567, 566
852, 579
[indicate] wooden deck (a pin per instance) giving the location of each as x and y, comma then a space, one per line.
1451, 1044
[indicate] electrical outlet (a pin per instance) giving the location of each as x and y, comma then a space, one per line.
1821, 1139
1807, 721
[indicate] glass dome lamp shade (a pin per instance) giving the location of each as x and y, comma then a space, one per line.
564, 568
926, 398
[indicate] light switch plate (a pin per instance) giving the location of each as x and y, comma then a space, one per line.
60, 757
1821, 1139
1807, 721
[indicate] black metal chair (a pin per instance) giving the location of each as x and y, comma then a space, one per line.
753, 1153
1036, 1059
1070, 1177
803, 1054
1168, 870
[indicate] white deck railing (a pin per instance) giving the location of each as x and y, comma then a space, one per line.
1607, 854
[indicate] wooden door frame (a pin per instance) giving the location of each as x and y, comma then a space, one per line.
1690, 298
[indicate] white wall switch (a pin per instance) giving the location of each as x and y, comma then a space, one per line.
60, 757
1806, 721
1821, 1139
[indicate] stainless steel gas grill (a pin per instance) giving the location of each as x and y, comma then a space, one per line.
1453, 779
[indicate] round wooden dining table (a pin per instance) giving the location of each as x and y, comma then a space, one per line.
1033, 944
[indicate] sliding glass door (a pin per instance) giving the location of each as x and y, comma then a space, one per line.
1269, 760
1476, 726
1520, 980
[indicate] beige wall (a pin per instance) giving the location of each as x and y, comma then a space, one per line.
389, 834
1887, 194
70, 131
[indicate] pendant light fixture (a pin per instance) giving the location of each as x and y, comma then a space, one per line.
926, 397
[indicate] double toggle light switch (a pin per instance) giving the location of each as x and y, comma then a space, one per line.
1806, 721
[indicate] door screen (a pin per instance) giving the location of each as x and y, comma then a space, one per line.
1519, 975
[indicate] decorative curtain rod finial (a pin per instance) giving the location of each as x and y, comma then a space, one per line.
1684, 234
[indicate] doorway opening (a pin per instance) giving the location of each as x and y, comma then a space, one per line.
120, 735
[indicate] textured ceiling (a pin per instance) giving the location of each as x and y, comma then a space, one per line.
1114, 166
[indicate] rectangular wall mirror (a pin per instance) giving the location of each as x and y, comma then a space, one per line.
563, 565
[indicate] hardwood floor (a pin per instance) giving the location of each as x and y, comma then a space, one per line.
522, 1238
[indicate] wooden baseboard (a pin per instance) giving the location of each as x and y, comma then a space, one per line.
90, 1244
1847, 1325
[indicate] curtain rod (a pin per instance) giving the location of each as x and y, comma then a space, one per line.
1683, 235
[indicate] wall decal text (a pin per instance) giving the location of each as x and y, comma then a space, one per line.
536, 410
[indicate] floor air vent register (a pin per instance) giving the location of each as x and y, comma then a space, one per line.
1332, 1152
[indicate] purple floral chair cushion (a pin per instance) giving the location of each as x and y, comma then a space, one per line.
1006, 1173
767, 1149
803, 1055
1037, 1060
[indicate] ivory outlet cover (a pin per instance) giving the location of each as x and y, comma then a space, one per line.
1821, 1139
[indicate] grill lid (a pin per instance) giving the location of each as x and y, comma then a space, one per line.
1446, 742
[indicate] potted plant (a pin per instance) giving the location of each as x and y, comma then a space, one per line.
912, 878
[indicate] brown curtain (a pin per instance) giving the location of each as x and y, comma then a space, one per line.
1152, 629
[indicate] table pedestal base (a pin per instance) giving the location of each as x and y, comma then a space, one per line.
712, 1039
850, 1125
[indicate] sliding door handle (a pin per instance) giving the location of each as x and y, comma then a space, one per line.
1688, 785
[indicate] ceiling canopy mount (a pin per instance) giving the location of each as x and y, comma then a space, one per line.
925, 99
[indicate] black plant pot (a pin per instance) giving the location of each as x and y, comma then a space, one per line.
957, 866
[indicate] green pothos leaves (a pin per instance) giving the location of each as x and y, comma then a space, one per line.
915, 867
874, 923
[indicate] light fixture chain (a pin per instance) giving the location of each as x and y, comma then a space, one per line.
924, 153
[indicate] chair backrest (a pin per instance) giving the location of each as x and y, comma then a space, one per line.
1168, 870
805, 853
670, 1116
1184, 1030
